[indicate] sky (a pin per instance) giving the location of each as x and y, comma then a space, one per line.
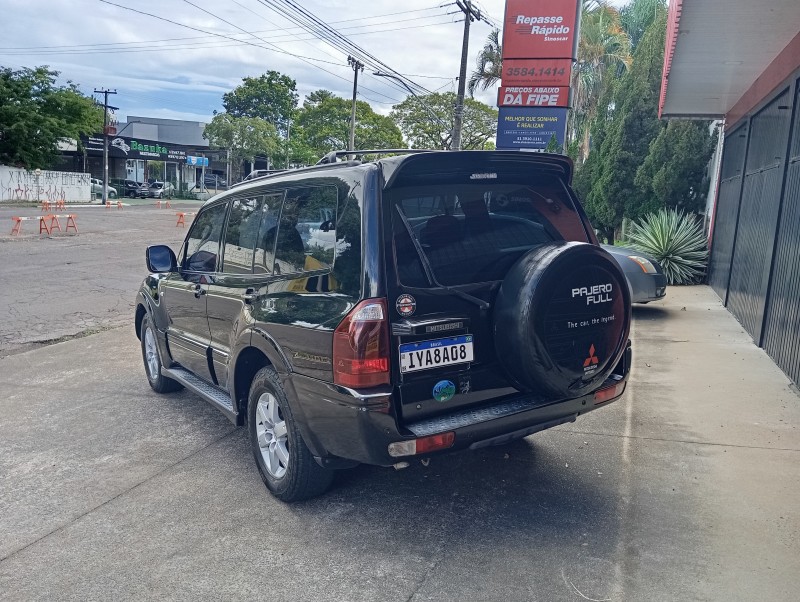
180, 67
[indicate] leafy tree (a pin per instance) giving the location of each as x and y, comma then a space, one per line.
674, 173
323, 124
422, 130
244, 137
35, 114
489, 65
271, 97
629, 129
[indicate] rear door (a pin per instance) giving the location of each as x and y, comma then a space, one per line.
455, 231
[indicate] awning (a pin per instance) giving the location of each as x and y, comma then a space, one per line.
716, 49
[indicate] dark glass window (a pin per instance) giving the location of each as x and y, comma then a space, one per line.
265, 243
202, 244
241, 234
475, 232
307, 231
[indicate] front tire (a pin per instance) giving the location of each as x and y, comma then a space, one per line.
152, 360
284, 461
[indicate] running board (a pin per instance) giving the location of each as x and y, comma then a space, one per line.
212, 394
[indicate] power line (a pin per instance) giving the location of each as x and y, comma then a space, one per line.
291, 10
297, 56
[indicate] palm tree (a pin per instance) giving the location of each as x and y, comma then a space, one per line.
603, 49
490, 65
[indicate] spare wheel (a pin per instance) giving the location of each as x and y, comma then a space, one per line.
562, 319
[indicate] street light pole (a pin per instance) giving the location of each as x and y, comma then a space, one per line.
106, 107
470, 14
357, 66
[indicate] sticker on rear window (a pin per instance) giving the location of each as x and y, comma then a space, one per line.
406, 305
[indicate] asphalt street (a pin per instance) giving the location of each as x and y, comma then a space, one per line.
685, 489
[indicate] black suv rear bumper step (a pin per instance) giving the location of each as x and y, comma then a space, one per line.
457, 420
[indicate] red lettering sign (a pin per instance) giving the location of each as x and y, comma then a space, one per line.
540, 29
533, 96
536, 72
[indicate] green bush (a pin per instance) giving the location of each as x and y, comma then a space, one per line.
676, 240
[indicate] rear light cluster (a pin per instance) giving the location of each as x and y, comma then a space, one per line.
422, 445
361, 346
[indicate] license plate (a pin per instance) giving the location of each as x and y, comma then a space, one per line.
433, 354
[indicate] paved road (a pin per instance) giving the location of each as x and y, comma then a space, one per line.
66, 285
685, 489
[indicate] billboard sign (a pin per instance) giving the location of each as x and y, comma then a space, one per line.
530, 128
536, 72
533, 96
540, 29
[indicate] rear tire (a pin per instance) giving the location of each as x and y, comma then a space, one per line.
152, 360
284, 461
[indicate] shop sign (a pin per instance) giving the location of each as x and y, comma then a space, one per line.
132, 148
533, 96
540, 29
530, 128
536, 72
197, 161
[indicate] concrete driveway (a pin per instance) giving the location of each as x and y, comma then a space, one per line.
685, 489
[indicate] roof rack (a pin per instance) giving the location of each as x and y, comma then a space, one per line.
332, 156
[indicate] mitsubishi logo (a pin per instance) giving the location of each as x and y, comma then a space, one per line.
592, 360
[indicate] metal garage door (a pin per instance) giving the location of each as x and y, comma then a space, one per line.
758, 215
782, 330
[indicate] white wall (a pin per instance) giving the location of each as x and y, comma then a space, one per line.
21, 185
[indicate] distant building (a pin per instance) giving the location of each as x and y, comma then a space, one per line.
148, 148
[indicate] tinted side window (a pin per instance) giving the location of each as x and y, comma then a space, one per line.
307, 230
265, 242
240, 235
202, 244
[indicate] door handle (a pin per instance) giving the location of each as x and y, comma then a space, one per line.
199, 290
249, 295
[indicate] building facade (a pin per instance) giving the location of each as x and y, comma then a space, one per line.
740, 61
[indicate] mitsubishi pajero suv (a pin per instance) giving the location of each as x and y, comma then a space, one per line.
379, 311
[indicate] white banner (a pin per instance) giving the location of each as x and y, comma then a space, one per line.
21, 185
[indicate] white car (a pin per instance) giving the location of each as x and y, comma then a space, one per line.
97, 189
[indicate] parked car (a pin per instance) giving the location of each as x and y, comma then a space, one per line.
134, 189
214, 181
159, 189
97, 189
643, 273
439, 301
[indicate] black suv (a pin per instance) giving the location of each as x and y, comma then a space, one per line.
373, 312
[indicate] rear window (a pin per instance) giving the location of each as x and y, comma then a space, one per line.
474, 232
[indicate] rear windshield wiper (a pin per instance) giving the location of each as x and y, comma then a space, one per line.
436, 286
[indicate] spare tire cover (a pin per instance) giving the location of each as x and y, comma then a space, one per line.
562, 319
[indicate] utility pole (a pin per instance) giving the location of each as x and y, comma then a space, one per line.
470, 14
357, 66
106, 107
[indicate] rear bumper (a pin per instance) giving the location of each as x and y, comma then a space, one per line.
340, 425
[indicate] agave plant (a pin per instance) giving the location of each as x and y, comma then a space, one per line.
676, 240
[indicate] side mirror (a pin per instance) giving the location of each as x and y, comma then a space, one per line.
161, 259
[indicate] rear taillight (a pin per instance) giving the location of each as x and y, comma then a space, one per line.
361, 346
423, 445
